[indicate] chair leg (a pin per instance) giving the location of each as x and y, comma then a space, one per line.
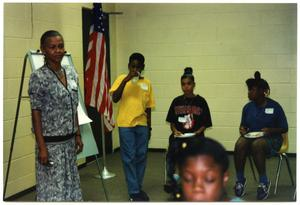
165, 172
289, 167
295, 193
278, 173
251, 165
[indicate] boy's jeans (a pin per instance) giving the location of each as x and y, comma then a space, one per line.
134, 147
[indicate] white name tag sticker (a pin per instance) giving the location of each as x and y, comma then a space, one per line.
182, 119
144, 86
269, 110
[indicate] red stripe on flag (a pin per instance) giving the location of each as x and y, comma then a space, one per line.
90, 70
100, 70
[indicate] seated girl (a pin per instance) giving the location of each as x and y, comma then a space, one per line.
188, 115
266, 118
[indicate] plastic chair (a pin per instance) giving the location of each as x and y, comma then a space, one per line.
281, 154
251, 165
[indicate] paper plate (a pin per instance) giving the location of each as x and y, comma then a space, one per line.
254, 134
185, 135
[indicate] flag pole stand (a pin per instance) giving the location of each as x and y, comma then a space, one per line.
105, 173
98, 165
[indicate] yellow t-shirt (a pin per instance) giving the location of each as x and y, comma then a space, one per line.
136, 97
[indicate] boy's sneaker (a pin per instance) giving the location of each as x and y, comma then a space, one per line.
239, 188
141, 196
263, 191
136, 197
144, 195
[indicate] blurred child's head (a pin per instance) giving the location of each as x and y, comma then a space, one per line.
187, 81
203, 168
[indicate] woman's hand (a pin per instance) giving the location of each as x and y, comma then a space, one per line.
43, 155
79, 144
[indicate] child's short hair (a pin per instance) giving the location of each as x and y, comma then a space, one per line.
203, 146
137, 56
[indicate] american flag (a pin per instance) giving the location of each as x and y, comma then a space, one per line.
96, 79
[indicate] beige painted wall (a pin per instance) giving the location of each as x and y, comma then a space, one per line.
225, 44
24, 23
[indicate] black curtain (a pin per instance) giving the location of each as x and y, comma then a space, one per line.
92, 112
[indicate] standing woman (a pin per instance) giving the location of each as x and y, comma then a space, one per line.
264, 115
53, 92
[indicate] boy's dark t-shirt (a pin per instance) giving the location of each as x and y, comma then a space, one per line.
189, 114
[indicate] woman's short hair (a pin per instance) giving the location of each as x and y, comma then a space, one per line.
137, 56
48, 34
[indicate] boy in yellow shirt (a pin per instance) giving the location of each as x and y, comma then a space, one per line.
135, 95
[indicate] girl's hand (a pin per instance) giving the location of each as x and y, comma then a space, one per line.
266, 131
79, 144
243, 130
43, 155
177, 133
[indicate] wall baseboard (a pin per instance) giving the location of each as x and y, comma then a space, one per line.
19, 194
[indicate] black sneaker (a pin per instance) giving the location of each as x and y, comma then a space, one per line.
136, 197
263, 191
170, 187
239, 188
144, 195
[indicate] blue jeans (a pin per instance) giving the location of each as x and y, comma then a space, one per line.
134, 146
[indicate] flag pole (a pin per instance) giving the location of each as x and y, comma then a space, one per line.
105, 173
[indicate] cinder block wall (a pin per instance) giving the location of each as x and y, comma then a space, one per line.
225, 44
24, 23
